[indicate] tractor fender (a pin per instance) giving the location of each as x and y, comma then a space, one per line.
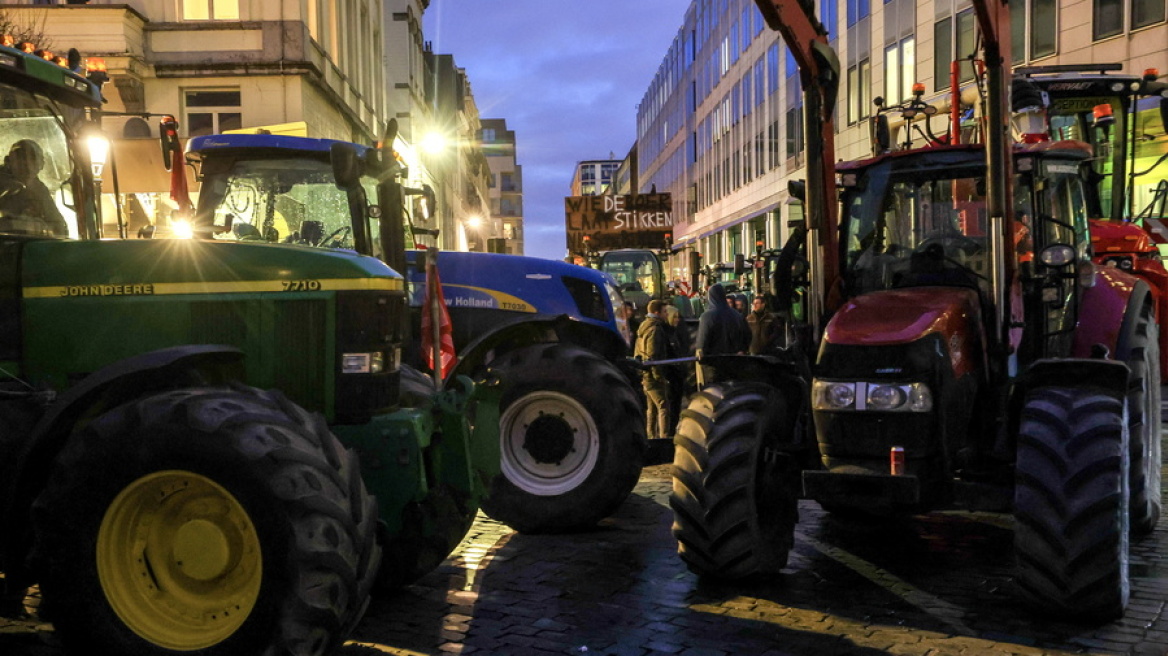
1106, 376
102, 390
1108, 313
513, 332
792, 379
1141, 295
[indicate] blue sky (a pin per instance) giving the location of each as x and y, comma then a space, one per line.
567, 77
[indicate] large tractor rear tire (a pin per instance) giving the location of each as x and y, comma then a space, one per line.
1071, 504
734, 494
1143, 406
221, 521
573, 439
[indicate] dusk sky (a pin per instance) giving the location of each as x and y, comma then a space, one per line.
566, 76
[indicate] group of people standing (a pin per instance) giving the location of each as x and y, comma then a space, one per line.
722, 329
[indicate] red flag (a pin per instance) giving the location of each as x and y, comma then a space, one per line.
434, 306
178, 182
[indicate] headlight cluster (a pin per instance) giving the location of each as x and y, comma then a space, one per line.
1122, 262
873, 397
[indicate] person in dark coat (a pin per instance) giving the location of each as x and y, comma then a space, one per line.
721, 330
653, 344
680, 375
765, 327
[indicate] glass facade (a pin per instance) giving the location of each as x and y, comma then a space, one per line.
721, 125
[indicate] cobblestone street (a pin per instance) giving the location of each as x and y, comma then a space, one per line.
937, 585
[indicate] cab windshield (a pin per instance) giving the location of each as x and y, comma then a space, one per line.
916, 228
633, 271
292, 201
37, 171
1105, 136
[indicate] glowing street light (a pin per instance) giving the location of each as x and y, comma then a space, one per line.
99, 147
434, 143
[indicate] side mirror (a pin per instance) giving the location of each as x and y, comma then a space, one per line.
428, 196
168, 138
739, 264
797, 189
346, 165
1164, 110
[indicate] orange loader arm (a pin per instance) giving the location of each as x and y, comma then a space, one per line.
819, 74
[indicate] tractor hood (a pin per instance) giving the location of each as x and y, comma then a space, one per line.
55, 269
1109, 236
293, 310
902, 316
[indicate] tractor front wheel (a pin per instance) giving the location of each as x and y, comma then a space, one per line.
573, 439
1071, 504
220, 521
734, 494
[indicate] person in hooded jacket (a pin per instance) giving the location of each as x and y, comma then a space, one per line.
721, 330
653, 344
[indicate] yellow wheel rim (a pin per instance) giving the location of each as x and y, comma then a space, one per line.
179, 560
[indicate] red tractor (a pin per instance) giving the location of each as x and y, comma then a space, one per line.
1123, 118
944, 364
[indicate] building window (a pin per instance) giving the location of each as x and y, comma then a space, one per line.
829, 15
773, 142
900, 71
794, 131
1146, 12
857, 10
210, 9
1109, 16
1043, 27
773, 70
210, 111
942, 52
859, 91
760, 153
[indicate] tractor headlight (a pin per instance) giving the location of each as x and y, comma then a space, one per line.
363, 363
875, 397
885, 397
833, 395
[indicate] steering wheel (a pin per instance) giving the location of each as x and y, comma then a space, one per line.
337, 236
965, 244
934, 248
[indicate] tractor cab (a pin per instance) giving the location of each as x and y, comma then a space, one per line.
45, 184
637, 273
920, 219
254, 190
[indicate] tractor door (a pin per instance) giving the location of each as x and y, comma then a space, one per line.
1050, 199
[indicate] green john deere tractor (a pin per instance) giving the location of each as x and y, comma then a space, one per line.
155, 485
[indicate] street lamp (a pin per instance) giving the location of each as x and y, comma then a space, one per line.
99, 146
472, 225
434, 143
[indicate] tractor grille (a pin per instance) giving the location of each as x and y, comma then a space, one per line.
285, 342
